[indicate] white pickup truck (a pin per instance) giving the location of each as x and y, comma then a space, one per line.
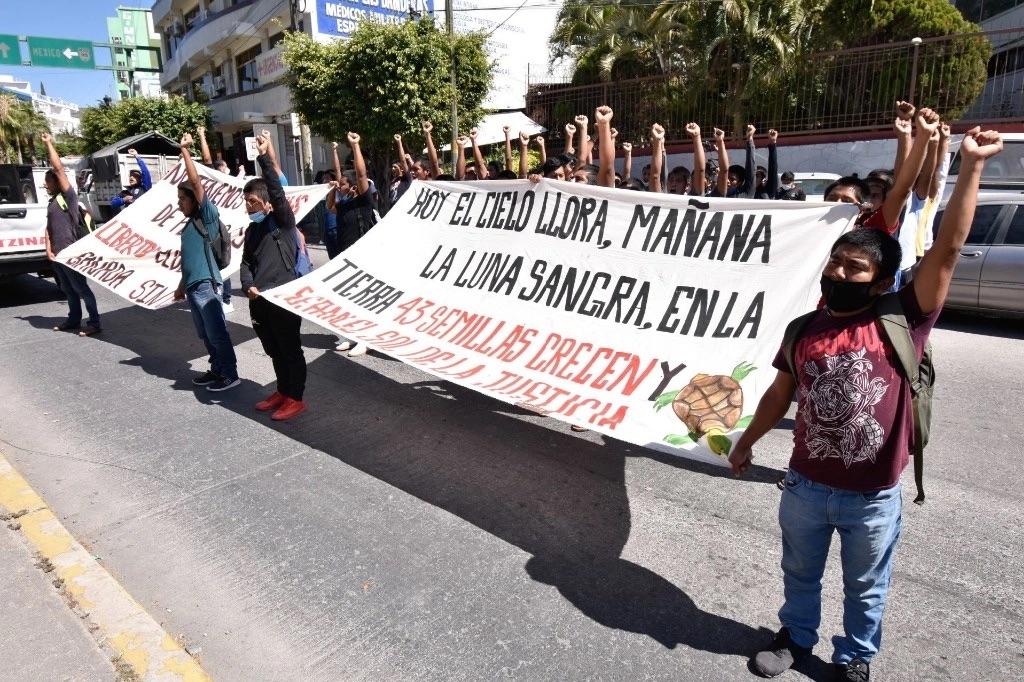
22, 221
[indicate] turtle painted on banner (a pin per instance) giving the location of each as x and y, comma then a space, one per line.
709, 406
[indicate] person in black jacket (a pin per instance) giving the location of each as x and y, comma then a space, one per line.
268, 259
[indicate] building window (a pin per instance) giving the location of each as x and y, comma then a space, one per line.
245, 65
981, 10
275, 39
191, 17
1003, 63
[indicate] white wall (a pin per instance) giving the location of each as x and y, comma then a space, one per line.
843, 158
518, 36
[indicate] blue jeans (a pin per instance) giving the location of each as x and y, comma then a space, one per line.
76, 289
208, 317
225, 293
869, 528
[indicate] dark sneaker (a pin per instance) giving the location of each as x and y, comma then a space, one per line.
67, 326
854, 671
89, 330
206, 379
781, 655
224, 383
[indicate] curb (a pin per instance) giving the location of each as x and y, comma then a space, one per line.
116, 620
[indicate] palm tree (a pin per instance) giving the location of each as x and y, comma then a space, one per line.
32, 124
745, 46
7, 124
20, 124
607, 41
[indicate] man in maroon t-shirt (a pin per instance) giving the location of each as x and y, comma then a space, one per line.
854, 429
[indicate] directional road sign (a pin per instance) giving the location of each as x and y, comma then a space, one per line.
61, 52
10, 53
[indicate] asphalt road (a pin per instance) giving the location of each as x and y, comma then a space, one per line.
407, 529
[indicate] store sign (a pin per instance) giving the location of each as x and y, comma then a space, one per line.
339, 18
270, 65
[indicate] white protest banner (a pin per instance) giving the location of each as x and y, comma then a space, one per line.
648, 317
137, 255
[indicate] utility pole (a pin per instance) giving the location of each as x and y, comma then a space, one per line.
450, 23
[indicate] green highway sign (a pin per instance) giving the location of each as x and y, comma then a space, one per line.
10, 52
61, 52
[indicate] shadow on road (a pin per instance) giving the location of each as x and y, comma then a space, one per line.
966, 323
560, 498
27, 290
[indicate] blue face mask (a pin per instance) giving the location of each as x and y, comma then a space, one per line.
258, 216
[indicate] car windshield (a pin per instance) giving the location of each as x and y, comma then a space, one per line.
815, 185
1007, 166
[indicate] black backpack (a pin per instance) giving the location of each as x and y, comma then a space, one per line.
921, 375
220, 245
84, 224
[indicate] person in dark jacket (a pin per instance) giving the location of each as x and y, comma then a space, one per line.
139, 182
789, 190
355, 217
268, 260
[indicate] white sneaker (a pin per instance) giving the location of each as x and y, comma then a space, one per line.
343, 345
357, 350
228, 308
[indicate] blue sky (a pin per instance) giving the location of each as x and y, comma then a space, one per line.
78, 19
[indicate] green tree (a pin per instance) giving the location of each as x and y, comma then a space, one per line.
760, 61
950, 75
20, 126
69, 144
614, 40
387, 79
109, 122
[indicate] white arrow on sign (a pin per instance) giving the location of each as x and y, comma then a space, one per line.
4, 50
68, 53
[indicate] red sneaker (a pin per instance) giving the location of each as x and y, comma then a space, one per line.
274, 401
289, 409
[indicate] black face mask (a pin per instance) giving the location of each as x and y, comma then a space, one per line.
845, 297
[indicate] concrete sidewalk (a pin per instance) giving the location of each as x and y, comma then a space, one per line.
67, 618
41, 638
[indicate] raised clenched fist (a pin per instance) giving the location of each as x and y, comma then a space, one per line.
904, 110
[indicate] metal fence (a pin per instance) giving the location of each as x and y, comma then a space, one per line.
971, 77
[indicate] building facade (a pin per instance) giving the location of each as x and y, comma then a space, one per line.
1003, 96
226, 53
130, 30
63, 116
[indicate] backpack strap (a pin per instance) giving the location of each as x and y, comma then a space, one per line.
204, 233
793, 331
276, 235
894, 322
